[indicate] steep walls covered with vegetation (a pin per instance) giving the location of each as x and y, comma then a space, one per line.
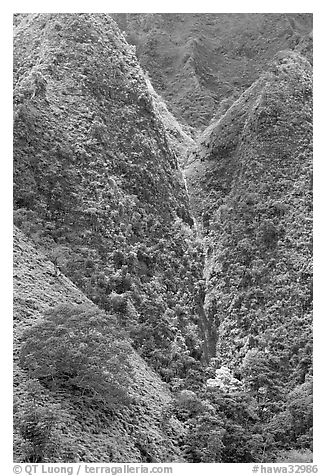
175, 305
253, 174
197, 60
97, 185
61, 421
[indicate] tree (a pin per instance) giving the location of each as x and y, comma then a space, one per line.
78, 349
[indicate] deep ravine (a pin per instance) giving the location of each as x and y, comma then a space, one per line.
186, 263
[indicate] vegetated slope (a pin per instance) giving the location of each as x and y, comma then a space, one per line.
97, 184
98, 189
135, 433
252, 176
197, 60
179, 136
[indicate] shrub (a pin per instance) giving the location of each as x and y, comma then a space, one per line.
77, 349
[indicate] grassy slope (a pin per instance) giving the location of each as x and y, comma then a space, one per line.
197, 60
37, 287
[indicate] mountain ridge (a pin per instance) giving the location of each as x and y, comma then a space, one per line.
196, 60
253, 171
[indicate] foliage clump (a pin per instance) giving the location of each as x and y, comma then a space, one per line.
97, 187
77, 349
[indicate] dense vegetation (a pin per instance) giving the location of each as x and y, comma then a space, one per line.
97, 185
78, 350
58, 419
197, 60
211, 286
254, 172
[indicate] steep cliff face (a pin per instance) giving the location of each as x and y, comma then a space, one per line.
253, 174
96, 178
88, 435
197, 60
